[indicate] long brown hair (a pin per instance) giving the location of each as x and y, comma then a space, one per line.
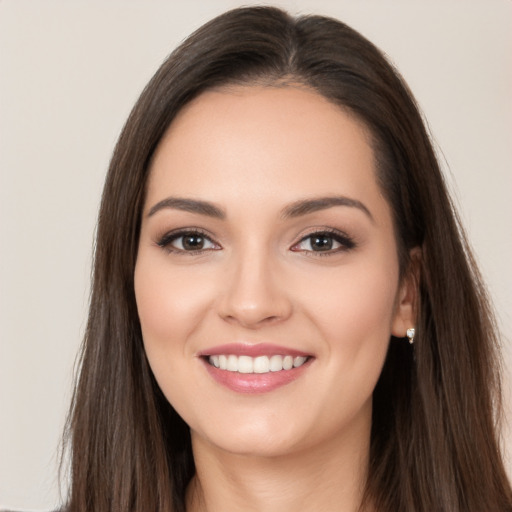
434, 440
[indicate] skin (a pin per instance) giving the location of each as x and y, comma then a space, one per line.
252, 152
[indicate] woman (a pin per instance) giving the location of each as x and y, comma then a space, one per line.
274, 228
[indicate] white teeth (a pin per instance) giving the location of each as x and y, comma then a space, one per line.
299, 361
287, 363
260, 364
245, 364
276, 363
232, 364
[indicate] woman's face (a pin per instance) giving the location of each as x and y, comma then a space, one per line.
267, 278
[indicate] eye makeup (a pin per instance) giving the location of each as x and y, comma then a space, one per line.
191, 241
324, 241
321, 241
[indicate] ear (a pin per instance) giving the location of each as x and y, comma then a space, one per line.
407, 300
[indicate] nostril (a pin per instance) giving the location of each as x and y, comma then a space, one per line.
253, 321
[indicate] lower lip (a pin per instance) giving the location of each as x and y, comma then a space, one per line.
254, 383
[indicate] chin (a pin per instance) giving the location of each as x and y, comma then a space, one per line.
250, 439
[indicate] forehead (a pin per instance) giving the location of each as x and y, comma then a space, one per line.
263, 141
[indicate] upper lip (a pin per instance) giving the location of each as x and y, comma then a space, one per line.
251, 350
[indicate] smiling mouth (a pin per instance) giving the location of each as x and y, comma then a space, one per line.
259, 365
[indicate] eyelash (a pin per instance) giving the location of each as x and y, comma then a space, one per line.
345, 241
166, 240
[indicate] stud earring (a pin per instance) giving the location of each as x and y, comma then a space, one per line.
410, 334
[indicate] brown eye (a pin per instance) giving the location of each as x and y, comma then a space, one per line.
192, 242
324, 241
321, 242
187, 241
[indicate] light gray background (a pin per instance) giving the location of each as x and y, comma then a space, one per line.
69, 74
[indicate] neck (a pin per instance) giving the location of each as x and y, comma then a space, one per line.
327, 479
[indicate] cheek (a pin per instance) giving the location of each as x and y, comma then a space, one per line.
170, 307
355, 324
353, 308
349, 300
170, 304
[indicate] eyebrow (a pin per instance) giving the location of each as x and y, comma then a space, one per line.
306, 206
296, 209
189, 205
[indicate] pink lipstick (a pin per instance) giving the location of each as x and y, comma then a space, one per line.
260, 368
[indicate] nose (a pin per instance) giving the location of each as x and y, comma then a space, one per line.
253, 293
